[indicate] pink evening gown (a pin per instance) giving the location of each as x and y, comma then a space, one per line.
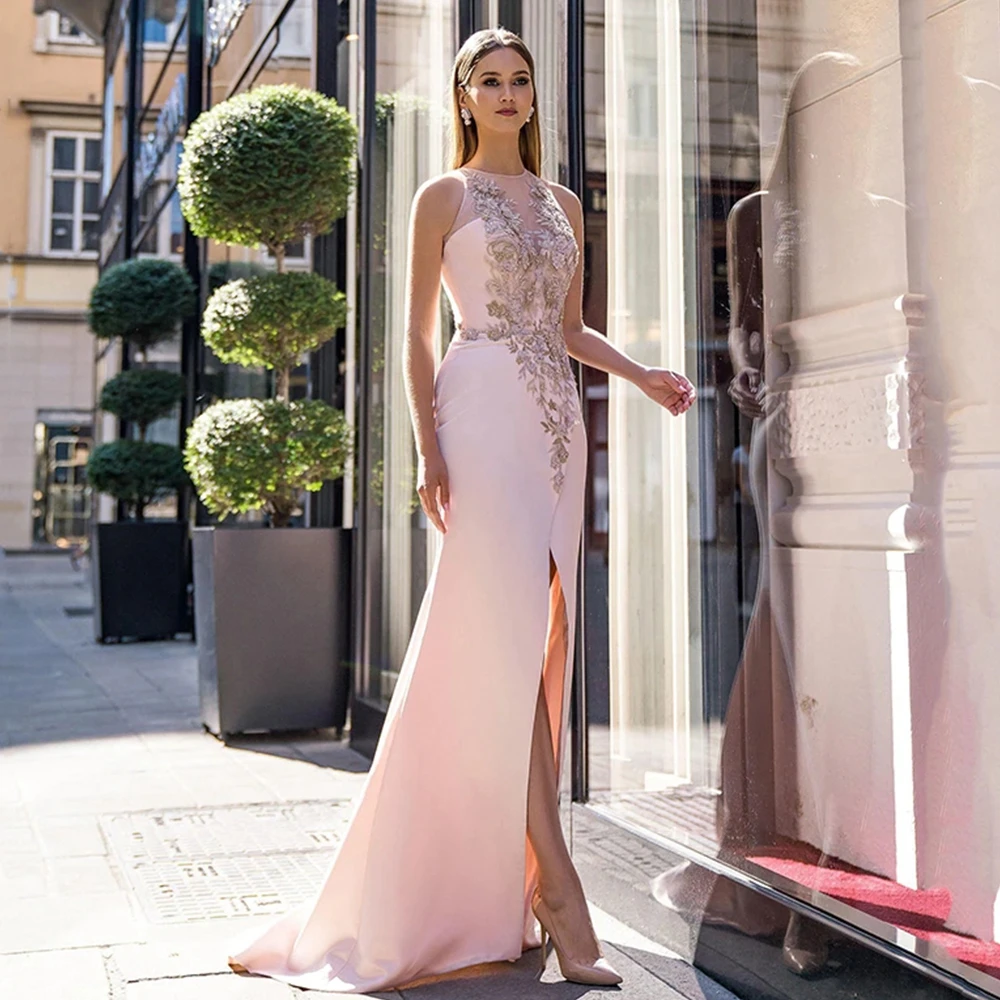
435, 871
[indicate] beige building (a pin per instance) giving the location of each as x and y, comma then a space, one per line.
50, 160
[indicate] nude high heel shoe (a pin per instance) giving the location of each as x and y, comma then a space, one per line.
599, 974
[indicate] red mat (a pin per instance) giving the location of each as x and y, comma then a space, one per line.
922, 912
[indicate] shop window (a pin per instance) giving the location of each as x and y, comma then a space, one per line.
73, 194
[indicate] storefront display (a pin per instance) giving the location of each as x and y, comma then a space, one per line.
784, 673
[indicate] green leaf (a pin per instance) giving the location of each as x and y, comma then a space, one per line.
141, 395
271, 165
142, 301
136, 472
272, 319
252, 454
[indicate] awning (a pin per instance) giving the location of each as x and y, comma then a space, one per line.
90, 16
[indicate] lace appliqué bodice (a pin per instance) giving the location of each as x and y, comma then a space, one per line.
530, 273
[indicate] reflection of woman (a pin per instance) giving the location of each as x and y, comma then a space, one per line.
755, 758
455, 846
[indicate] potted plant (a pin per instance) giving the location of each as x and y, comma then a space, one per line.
269, 168
140, 566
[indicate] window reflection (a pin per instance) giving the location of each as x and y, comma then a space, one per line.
416, 49
798, 640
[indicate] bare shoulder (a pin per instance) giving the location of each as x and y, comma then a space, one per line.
568, 201
437, 201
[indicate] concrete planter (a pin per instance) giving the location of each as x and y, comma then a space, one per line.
272, 619
140, 580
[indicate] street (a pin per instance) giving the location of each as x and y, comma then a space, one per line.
134, 846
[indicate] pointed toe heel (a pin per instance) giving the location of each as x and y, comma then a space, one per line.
600, 973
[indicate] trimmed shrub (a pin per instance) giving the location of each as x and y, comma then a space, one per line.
136, 472
273, 319
252, 454
143, 301
142, 395
272, 165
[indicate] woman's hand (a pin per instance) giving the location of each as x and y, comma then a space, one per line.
432, 488
747, 391
670, 389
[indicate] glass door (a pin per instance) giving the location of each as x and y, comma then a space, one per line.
62, 499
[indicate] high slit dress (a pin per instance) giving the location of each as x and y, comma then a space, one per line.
435, 871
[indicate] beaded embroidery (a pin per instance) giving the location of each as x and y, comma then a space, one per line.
531, 271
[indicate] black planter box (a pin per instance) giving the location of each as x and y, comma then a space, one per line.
272, 619
140, 580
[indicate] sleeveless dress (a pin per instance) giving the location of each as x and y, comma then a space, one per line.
435, 871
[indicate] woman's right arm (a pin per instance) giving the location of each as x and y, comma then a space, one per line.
434, 208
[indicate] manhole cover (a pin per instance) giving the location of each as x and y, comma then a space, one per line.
197, 864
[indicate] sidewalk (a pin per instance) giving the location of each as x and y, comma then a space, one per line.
134, 846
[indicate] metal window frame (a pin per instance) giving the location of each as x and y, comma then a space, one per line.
575, 167
329, 255
366, 716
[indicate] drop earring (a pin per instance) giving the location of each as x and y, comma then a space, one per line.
531, 111
466, 116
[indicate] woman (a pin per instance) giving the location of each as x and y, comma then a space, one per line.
455, 846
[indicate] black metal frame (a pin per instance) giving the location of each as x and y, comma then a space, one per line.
133, 102
191, 345
366, 716
329, 258
576, 166
468, 16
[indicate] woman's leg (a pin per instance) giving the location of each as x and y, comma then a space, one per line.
558, 880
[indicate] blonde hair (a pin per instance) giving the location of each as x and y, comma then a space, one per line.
466, 138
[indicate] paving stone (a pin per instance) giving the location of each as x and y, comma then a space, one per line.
56, 922
78, 974
228, 986
75, 876
201, 956
18, 840
70, 837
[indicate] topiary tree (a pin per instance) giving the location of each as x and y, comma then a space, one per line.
142, 395
273, 320
136, 472
248, 454
142, 301
270, 167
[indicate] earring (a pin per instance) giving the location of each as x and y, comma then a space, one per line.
531, 111
466, 116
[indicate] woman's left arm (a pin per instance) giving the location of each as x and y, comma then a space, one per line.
670, 389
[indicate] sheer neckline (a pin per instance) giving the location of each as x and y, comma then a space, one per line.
493, 173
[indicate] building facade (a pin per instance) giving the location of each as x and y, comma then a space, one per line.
784, 753
50, 151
